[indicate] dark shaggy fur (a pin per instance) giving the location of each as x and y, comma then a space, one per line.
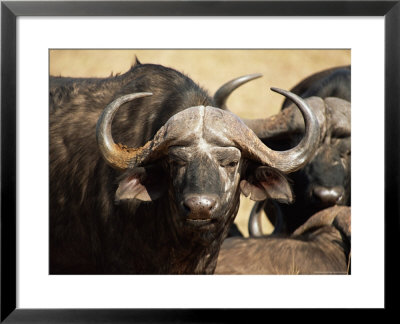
88, 232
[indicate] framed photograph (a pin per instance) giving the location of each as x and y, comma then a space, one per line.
211, 43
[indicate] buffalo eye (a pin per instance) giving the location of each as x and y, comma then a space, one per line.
178, 157
177, 162
229, 164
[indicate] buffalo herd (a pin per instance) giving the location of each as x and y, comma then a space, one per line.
146, 171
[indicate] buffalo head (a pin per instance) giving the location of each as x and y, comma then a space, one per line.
201, 159
325, 180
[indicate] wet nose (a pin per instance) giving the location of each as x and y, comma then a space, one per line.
200, 206
328, 196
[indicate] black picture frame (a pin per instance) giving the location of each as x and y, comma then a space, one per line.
10, 10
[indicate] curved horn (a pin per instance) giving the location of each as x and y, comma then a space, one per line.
290, 160
273, 213
295, 158
116, 155
254, 225
182, 126
288, 121
222, 94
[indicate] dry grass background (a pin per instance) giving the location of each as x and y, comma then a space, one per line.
210, 69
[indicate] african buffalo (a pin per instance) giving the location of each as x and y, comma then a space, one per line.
163, 201
320, 246
326, 180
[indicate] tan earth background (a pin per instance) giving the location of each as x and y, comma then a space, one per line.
211, 69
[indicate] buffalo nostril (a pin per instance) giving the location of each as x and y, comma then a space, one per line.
328, 195
200, 207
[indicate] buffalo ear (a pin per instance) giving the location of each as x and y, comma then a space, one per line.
266, 183
142, 184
